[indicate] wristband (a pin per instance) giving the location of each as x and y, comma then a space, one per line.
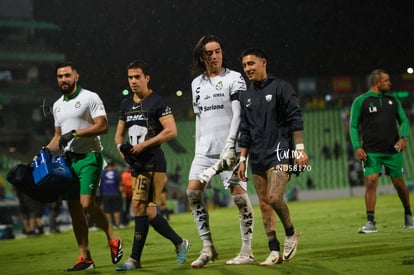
300, 146
74, 134
118, 146
242, 158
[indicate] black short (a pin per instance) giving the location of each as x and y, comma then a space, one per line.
31, 208
151, 160
112, 203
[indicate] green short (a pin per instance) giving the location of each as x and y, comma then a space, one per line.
392, 163
87, 170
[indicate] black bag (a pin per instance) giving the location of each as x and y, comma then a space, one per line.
21, 177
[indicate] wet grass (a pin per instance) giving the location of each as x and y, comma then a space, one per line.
329, 244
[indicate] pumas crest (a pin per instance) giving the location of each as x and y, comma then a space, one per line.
268, 98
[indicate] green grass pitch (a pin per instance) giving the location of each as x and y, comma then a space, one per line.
329, 244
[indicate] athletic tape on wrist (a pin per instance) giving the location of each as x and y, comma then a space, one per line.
300, 146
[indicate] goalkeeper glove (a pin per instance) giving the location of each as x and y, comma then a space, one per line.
66, 138
210, 172
229, 155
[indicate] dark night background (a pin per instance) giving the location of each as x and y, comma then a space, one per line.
303, 38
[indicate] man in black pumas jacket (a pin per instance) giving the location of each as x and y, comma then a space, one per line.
271, 132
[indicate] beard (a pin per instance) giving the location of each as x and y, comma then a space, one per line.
66, 88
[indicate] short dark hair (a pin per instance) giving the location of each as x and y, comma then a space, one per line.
259, 52
375, 76
110, 162
66, 64
139, 64
199, 52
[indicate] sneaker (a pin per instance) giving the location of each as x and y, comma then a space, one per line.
369, 227
206, 255
81, 264
241, 259
130, 264
272, 259
409, 222
182, 252
116, 250
291, 244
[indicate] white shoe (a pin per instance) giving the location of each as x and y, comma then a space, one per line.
291, 244
241, 259
272, 259
207, 254
408, 222
369, 227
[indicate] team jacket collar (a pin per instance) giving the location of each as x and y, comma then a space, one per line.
261, 84
378, 94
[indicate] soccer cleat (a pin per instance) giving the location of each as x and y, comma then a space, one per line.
207, 254
369, 227
408, 222
291, 244
81, 264
182, 252
272, 259
116, 250
130, 264
241, 259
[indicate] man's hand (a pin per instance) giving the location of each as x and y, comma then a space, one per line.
66, 138
360, 154
401, 145
301, 159
241, 171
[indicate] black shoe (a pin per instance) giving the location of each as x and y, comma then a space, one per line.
40, 230
31, 233
54, 230
81, 264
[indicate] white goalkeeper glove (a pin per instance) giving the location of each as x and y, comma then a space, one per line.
210, 172
229, 155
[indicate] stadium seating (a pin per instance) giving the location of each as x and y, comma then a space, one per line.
322, 127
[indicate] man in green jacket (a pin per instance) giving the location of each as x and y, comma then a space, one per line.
374, 115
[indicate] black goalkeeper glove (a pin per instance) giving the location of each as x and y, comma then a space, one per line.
65, 138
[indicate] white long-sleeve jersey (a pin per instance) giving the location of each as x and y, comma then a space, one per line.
217, 108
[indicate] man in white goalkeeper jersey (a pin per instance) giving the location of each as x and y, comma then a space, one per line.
217, 107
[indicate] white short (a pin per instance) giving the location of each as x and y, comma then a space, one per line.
228, 178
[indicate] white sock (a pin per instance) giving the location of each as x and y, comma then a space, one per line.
246, 222
200, 215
